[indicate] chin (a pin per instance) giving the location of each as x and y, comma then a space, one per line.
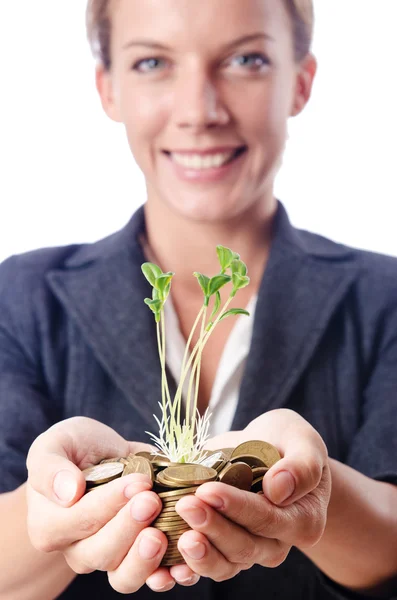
203, 212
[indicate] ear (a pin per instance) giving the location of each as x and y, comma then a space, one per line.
306, 71
105, 87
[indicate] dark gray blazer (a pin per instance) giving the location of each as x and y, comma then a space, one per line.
77, 339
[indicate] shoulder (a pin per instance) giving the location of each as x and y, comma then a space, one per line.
26, 273
376, 272
23, 275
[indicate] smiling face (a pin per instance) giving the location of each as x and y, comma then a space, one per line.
204, 91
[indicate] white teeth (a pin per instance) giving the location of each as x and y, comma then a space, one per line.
198, 161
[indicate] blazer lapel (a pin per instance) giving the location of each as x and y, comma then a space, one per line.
103, 289
305, 280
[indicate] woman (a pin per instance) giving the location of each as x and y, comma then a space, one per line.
204, 92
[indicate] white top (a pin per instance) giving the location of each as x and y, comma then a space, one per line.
225, 391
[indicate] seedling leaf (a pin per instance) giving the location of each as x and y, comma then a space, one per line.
203, 282
151, 272
239, 282
217, 282
234, 311
162, 283
225, 257
239, 267
217, 305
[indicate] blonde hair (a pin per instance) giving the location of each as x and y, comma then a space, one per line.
99, 28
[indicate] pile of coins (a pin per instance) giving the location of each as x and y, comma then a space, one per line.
243, 467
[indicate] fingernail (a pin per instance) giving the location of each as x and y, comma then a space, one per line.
195, 550
190, 580
149, 546
282, 487
194, 516
134, 488
65, 486
144, 509
165, 588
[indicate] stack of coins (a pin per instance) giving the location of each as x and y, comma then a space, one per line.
243, 467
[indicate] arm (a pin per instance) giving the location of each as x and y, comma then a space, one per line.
359, 545
293, 512
44, 539
24, 571
358, 549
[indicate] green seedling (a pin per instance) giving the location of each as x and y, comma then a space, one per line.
180, 439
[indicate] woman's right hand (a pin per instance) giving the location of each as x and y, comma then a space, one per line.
107, 529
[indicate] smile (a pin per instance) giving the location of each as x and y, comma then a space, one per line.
205, 161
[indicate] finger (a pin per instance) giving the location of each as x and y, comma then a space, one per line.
52, 527
142, 560
183, 575
254, 512
57, 455
235, 543
161, 580
304, 456
204, 559
105, 550
302, 523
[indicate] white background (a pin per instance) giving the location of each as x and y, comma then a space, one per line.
66, 172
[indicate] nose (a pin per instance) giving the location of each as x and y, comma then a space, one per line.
197, 102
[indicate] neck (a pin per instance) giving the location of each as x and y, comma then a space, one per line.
184, 246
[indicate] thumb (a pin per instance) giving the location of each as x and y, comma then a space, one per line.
57, 456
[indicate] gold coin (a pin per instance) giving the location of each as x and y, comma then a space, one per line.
263, 450
160, 461
251, 460
139, 464
259, 472
109, 460
164, 481
175, 555
147, 455
168, 508
238, 475
99, 474
227, 452
174, 538
175, 524
174, 519
173, 527
175, 534
214, 460
171, 562
182, 492
168, 515
190, 474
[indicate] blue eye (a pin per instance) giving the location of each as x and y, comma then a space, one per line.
254, 61
147, 65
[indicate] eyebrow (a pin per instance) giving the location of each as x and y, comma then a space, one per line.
237, 42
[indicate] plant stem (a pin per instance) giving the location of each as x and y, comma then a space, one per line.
208, 334
200, 343
167, 391
195, 374
164, 385
178, 394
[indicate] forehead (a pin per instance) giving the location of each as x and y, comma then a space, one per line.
211, 21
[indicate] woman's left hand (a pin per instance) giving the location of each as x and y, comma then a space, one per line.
235, 529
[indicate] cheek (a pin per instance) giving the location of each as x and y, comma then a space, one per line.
145, 119
262, 114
